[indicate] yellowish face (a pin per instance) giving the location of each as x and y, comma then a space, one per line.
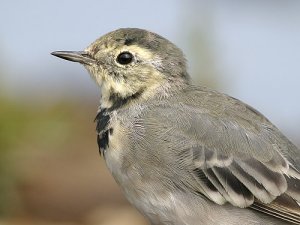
124, 70
130, 62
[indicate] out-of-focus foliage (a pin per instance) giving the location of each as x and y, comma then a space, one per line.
50, 168
13, 121
23, 128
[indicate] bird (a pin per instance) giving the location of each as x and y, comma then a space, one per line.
184, 154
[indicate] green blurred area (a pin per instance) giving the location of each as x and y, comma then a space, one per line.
50, 168
24, 128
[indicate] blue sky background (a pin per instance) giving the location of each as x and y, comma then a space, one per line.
253, 46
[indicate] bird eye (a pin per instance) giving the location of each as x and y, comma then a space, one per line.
125, 58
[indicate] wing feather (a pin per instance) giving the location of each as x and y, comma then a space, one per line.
232, 153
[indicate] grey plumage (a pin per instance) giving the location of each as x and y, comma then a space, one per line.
229, 155
184, 154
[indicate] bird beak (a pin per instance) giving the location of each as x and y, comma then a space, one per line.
80, 56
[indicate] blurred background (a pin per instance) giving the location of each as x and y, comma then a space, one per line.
50, 169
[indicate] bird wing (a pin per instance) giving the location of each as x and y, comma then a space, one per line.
227, 151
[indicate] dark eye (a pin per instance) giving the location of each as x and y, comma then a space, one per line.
125, 58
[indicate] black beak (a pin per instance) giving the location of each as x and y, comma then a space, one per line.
80, 56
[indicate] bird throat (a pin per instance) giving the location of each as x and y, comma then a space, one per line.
103, 118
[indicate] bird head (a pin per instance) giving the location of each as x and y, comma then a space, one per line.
130, 63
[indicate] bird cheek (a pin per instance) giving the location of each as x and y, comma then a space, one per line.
96, 73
